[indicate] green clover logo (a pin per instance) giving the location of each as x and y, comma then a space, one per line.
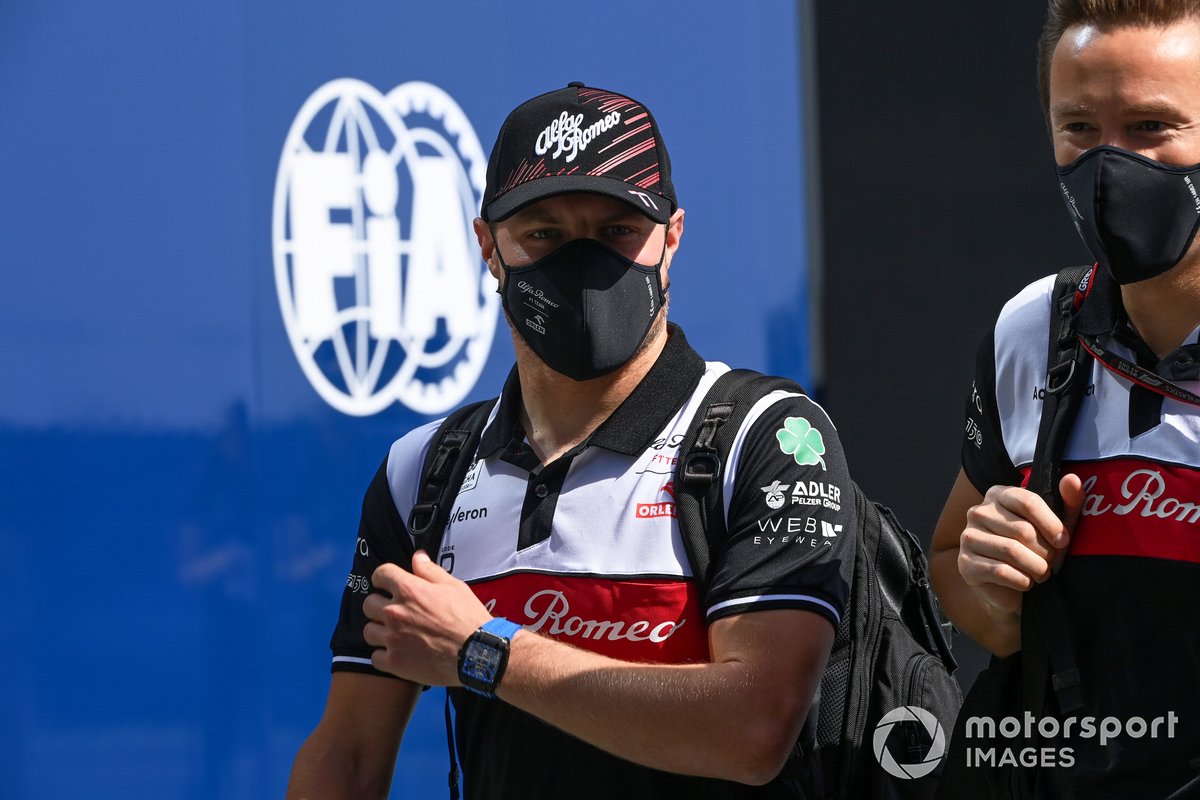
799, 439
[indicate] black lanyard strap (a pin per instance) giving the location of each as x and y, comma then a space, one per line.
1124, 368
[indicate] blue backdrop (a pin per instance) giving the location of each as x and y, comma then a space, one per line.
180, 500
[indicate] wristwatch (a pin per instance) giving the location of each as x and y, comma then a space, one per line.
482, 659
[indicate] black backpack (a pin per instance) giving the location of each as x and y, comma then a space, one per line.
890, 652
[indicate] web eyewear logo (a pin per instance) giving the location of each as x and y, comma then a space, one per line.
382, 290
932, 757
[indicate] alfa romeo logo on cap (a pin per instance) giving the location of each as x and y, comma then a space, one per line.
383, 293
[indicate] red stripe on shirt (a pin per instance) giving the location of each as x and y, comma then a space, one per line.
650, 620
1137, 508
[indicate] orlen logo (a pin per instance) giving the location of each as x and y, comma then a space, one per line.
383, 293
663, 509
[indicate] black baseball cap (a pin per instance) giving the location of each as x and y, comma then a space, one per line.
579, 139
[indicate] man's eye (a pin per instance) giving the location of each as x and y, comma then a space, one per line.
1077, 127
543, 233
1151, 126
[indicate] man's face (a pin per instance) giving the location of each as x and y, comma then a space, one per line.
1137, 88
545, 226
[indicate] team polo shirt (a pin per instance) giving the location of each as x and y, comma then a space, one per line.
587, 550
1131, 581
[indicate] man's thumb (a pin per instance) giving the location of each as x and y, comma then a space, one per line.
423, 567
1071, 489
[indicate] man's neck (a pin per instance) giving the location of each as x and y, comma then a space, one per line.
1166, 309
558, 413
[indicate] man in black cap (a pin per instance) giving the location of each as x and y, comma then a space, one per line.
582, 656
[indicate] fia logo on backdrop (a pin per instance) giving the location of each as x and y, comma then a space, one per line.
383, 292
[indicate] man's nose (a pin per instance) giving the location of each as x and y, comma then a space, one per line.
1123, 140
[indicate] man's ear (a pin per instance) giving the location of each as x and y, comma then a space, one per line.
487, 246
674, 235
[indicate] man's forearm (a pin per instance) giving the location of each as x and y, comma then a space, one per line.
998, 633
724, 720
322, 772
351, 753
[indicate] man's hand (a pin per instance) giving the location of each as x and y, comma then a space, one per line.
420, 630
1013, 540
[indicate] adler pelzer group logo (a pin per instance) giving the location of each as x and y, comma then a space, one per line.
383, 293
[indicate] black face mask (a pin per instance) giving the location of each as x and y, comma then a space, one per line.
583, 309
1137, 217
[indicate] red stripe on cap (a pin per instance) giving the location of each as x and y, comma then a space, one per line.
524, 172
512, 177
618, 103
624, 136
608, 100
1137, 508
651, 621
640, 171
621, 158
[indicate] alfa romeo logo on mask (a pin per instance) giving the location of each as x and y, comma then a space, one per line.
383, 293
913, 765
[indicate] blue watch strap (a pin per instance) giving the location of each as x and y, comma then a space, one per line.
484, 656
501, 627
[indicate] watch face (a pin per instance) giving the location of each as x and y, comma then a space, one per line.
481, 661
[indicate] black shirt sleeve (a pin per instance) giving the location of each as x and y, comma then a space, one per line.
382, 538
791, 518
985, 460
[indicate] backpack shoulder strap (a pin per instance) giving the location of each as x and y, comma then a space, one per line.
450, 453
1065, 359
1045, 632
702, 457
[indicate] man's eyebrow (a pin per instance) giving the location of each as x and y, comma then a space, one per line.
1152, 110
534, 215
1072, 110
624, 216
1135, 110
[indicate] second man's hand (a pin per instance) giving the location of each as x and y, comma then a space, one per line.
1013, 540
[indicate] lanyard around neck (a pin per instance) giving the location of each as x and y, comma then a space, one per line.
1124, 368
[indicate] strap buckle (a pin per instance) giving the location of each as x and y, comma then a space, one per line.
1056, 382
702, 464
421, 518
700, 468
